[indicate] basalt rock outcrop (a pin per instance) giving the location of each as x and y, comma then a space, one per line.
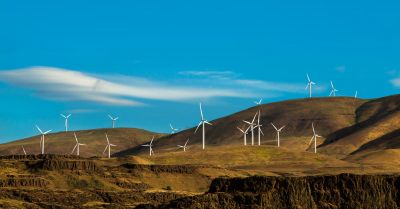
330, 192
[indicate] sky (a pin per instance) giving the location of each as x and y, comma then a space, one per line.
151, 62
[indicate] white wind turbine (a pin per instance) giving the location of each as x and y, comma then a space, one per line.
244, 134
109, 145
333, 90
76, 145
173, 130
113, 120
278, 131
259, 128
66, 121
23, 149
252, 124
309, 85
202, 123
314, 137
184, 146
42, 138
258, 102
150, 145
356, 94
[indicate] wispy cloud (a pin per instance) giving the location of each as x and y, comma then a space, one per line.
69, 85
395, 82
224, 74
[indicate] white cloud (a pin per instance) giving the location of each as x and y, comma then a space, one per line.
395, 82
69, 85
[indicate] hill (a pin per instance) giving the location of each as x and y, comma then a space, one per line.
328, 114
375, 121
63, 142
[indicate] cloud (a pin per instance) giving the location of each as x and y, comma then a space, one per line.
69, 85
226, 74
395, 82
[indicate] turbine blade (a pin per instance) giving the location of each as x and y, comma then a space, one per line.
254, 117
74, 148
116, 118
68, 115
201, 112
198, 126
333, 87
281, 128
186, 142
47, 132
40, 130
110, 117
308, 78
62, 115
311, 140
208, 123
274, 126
105, 149
76, 138
313, 129
108, 141
240, 129
151, 142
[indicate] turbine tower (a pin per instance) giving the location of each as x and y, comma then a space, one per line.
259, 128
203, 121
66, 121
314, 137
113, 120
333, 90
278, 131
173, 130
42, 138
252, 124
244, 134
184, 146
23, 149
76, 145
109, 145
150, 145
309, 85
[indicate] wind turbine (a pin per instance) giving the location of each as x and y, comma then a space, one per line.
309, 85
108, 147
173, 130
66, 121
150, 145
244, 134
278, 131
202, 123
184, 146
355, 95
252, 124
333, 90
76, 145
23, 149
259, 128
42, 138
314, 137
258, 102
113, 120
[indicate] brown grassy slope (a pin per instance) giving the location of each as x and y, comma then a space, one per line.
329, 115
63, 143
384, 150
375, 119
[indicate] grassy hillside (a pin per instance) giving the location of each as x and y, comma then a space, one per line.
63, 143
375, 119
328, 114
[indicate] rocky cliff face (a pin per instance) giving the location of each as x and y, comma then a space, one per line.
330, 192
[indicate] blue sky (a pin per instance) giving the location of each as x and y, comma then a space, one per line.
151, 62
